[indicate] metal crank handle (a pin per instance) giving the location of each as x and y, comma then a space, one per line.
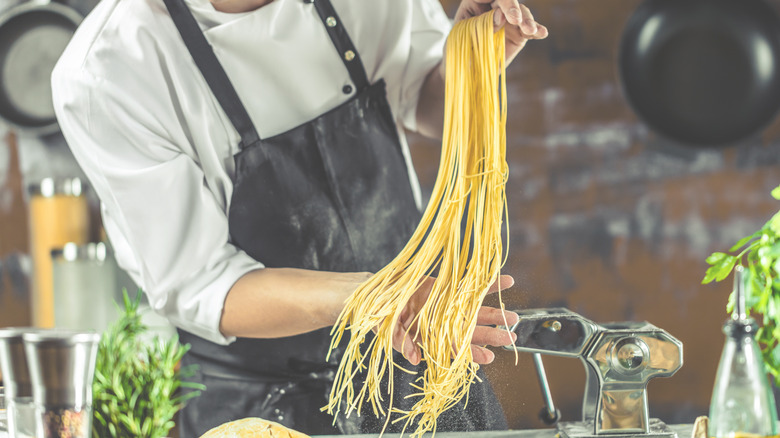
549, 414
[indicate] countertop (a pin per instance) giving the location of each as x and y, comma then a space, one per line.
683, 431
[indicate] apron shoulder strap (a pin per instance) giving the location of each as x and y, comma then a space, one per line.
212, 71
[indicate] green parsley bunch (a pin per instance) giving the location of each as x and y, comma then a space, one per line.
759, 254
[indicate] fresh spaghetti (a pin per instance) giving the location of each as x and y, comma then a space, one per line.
459, 240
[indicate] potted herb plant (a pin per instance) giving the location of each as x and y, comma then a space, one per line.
138, 385
759, 254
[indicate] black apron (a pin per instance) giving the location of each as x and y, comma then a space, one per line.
332, 194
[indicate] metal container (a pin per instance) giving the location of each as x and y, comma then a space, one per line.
62, 368
85, 287
59, 214
13, 363
20, 410
3, 412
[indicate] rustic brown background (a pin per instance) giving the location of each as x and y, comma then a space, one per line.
14, 306
606, 218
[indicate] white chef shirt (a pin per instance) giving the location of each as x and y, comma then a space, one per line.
158, 149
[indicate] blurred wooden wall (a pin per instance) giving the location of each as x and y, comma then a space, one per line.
14, 242
606, 218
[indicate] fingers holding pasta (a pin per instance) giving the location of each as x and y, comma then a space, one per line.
520, 26
406, 336
494, 316
482, 355
515, 17
406, 345
503, 282
472, 8
487, 333
492, 336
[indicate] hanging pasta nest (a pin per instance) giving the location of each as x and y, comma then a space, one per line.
459, 239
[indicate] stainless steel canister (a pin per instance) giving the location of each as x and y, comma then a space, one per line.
20, 409
62, 368
85, 287
58, 214
3, 413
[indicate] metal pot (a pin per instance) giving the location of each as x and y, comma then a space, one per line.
33, 35
702, 72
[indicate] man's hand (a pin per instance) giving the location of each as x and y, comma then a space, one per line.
484, 334
520, 27
517, 18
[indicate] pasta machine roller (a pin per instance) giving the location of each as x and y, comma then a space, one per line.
619, 360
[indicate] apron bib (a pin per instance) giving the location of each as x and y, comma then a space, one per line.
331, 194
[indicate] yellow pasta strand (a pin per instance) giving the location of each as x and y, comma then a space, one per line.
469, 192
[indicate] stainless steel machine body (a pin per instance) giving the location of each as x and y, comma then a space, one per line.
619, 361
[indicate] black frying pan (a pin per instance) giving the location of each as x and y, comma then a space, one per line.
33, 35
702, 72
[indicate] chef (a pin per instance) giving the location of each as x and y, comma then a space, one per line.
252, 168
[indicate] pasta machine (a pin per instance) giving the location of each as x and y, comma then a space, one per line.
619, 360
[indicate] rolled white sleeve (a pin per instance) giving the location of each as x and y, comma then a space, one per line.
429, 29
168, 228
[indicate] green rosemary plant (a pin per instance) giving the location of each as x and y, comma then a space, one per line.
138, 387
